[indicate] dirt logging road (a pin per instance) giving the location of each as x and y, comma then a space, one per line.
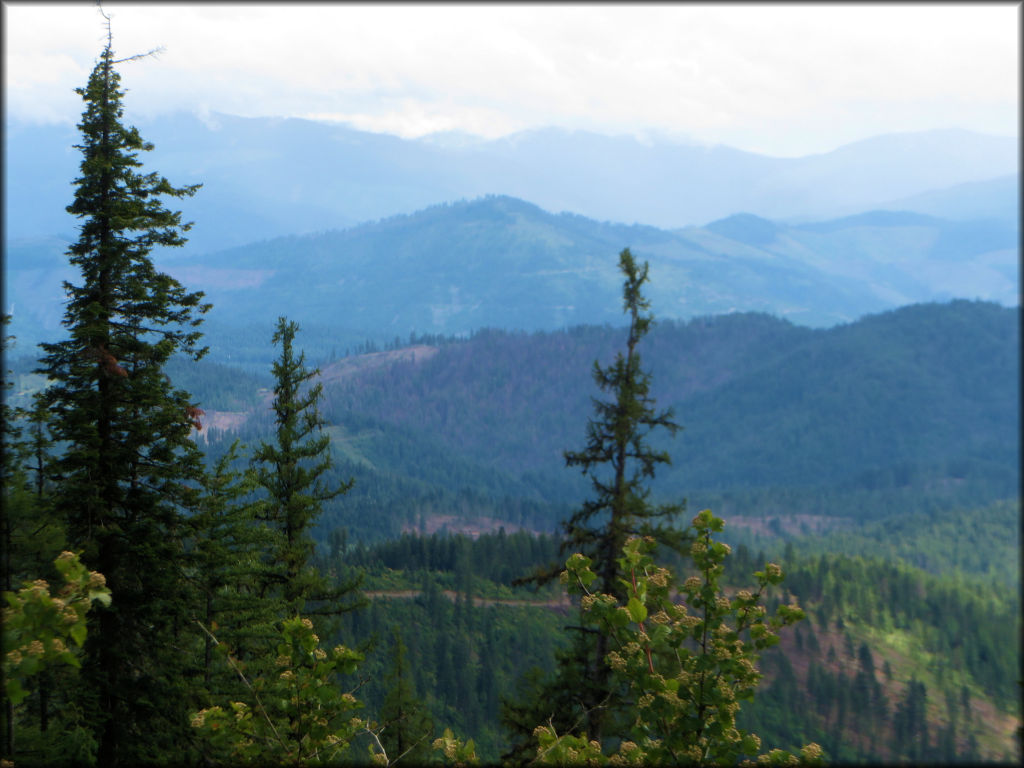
559, 603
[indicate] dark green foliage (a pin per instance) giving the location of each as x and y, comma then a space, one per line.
407, 731
978, 540
850, 410
618, 458
128, 468
620, 463
225, 556
855, 405
31, 536
463, 659
479, 427
499, 558
971, 626
32, 531
857, 708
841, 422
910, 724
291, 471
791, 707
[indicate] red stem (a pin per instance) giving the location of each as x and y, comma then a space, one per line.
647, 649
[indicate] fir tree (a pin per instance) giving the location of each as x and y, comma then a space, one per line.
31, 536
405, 729
226, 563
619, 462
618, 459
292, 473
14, 497
128, 469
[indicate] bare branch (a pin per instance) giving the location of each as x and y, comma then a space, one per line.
110, 39
379, 745
154, 52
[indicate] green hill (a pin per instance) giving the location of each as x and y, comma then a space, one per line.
500, 262
904, 412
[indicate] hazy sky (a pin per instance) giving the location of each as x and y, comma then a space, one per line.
783, 80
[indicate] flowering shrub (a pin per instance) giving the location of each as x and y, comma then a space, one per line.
298, 715
455, 752
38, 625
687, 664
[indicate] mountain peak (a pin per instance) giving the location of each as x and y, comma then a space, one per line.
746, 228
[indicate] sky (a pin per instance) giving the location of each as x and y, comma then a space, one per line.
782, 80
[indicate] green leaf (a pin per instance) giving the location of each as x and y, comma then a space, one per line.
69, 658
77, 633
15, 693
659, 634
577, 561
637, 610
325, 693
618, 618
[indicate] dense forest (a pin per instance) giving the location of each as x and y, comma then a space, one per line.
660, 542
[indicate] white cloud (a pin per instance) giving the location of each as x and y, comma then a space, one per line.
784, 79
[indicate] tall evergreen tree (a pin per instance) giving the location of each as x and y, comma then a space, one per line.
620, 462
618, 458
128, 469
14, 496
226, 565
292, 472
406, 728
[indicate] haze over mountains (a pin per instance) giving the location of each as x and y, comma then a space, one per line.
264, 177
501, 262
819, 240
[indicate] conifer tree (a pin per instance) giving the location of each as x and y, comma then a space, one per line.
31, 535
128, 468
226, 564
15, 482
618, 458
14, 496
292, 472
405, 729
620, 462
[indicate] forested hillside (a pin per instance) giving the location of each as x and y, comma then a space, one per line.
501, 262
683, 541
892, 663
889, 434
889, 437
906, 411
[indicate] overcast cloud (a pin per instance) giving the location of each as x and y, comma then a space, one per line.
783, 80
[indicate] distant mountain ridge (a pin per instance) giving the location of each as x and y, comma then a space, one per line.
997, 198
501, 262
266, 177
